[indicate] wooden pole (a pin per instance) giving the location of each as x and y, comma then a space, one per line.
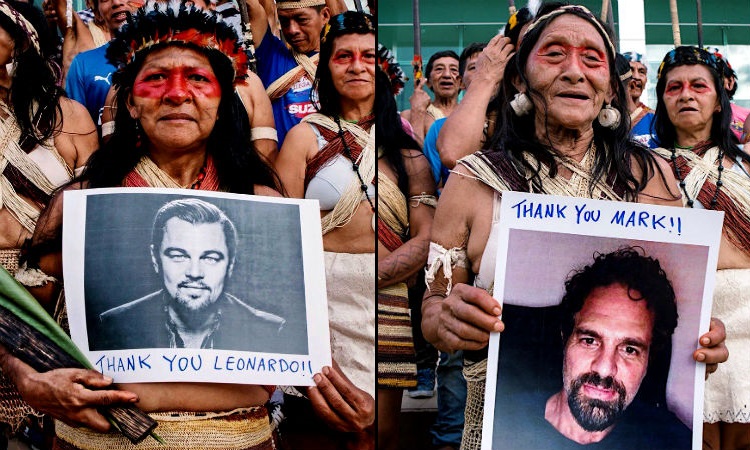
417, 61
605, 10
675, 23
700, 22
611, 23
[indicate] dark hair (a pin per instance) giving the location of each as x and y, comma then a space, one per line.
238, 164
513, 30
623, 67
645, 280
616, 151
350, 22
193, 211
471, 50
34, 93
389, 131
721, 134
435, 57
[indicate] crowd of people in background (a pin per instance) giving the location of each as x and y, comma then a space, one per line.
300, 102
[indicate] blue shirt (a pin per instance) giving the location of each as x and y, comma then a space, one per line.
641, 132
439, 171
274, 60
89, 79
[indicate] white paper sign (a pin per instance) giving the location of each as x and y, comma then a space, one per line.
535, 367
167, 285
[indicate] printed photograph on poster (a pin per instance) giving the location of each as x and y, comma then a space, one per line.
602, 317
165, 285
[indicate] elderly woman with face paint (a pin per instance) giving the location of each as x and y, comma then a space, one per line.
176, 126
693, 117
566, 133
330, 156
46, 137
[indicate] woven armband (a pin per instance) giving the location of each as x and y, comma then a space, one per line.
424, 198
439, 258
264, 133
108, 128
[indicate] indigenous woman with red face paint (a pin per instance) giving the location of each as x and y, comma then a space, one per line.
565, 132
46, 139
692, 123
330, 156
177, 126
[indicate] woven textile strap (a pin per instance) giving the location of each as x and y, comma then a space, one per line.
397, 360
475, 374
347, 205
701, 174
306, 66
241, 429
435, 112
576, 186
147, 174
97, 34
393, 217
14, 158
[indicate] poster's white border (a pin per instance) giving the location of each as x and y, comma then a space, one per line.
318, 344
697, 227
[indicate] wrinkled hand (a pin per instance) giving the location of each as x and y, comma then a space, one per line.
420, 99
467, 317
72, 395
713, 349
341, 404
490, 65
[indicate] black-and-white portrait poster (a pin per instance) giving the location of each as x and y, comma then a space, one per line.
174, 285
603, 306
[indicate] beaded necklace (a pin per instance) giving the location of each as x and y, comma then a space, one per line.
719, 183
355, 166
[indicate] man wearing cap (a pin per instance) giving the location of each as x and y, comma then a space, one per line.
287, 73
641, 115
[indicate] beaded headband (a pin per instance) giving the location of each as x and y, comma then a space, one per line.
688, 55
295, 4
349, 22
21, 21
567, 9
391, 67
156, 25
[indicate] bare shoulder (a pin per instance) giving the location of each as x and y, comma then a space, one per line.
250, 87
300, 138
661, 188
266, 191
418, 170
76, 118
454, 215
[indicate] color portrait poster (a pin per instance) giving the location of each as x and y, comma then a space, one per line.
603, 305
170, 285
